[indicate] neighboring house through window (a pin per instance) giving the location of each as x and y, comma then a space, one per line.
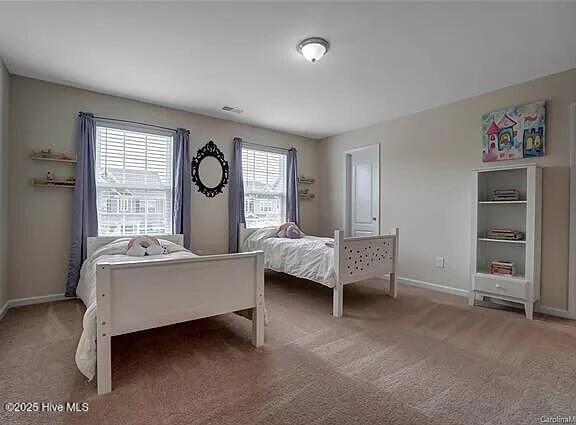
133, 181
264, 174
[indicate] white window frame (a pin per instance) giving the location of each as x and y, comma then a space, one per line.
259, 208
130, 210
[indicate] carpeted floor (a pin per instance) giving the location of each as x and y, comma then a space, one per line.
426, 358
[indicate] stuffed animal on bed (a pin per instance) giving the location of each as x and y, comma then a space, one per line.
289, 230
140, 246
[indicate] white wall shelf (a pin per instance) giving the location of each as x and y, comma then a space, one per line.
523, 215
53, 183
64, 158
306, 180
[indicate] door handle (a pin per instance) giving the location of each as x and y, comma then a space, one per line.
373, 218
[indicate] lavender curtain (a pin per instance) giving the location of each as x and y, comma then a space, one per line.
182, 185
235, 196
85, 219
292, 198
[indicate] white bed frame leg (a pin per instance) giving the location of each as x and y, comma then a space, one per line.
104, 364
258, 311
529, 310
103, 338
338, 300
393, 286
393, 278
258, 327
338, 291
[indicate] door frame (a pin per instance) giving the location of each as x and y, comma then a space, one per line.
572, 248
347, 188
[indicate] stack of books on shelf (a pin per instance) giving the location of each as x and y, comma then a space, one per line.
505, 195
506, 234
502, 267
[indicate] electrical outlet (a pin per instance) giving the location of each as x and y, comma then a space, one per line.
440, 262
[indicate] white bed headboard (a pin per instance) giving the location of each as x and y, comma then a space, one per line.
96, 242
243, 233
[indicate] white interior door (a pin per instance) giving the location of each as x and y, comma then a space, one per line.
363, 191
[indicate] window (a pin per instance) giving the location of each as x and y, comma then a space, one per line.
133, 181
264, 174
139, 206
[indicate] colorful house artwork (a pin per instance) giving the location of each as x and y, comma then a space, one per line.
516, 132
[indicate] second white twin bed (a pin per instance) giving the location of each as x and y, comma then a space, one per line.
330, 262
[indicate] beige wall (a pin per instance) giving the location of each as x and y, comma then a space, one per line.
4, 119
426, 166
44, 115
426, 163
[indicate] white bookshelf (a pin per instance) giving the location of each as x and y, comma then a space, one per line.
523, 215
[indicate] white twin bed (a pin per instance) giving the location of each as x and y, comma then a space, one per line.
125, 294
330, 262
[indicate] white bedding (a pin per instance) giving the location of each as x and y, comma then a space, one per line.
86, 291
307, 258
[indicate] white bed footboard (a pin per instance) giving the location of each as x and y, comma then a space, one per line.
133, 296
361, 258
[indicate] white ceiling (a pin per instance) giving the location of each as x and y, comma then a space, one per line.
386, 59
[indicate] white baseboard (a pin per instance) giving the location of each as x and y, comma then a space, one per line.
3, 310
553, 311
550, 311
434, 286
19, 302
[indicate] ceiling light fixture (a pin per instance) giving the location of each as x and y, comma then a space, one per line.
313, 48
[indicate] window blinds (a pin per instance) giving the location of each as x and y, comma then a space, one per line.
133, 182
264, 174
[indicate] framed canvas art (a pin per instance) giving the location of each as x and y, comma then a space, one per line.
515, 132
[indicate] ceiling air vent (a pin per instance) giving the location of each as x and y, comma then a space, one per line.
232, 109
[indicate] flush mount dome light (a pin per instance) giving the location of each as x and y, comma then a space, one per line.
313, 48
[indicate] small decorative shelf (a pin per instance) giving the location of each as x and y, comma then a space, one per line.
52, 183
304, 192
306, 180
54, 157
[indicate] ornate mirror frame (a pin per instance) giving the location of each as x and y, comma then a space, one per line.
209, 150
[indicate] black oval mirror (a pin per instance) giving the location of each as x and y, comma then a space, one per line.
210, 170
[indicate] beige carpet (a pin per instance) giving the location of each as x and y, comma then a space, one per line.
425, 358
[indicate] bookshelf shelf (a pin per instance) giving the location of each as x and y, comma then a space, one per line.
487, 275
518, 242
502, 202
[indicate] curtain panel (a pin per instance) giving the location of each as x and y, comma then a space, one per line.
85, 214
235, 196
292, 198
182, 186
